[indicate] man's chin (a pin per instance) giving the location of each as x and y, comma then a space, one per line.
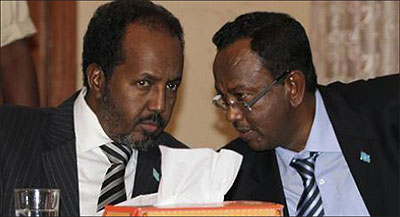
154, 134
259, 145
142, 142
139, 140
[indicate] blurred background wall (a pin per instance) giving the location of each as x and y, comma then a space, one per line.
350, 40
353, 40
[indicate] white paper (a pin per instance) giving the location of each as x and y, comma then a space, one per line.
192, 176
141, 200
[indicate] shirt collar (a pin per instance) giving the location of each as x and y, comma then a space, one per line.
322, 137
88, 131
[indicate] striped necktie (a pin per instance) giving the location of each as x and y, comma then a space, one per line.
310, 203
113, 187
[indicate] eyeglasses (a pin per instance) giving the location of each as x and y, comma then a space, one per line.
221, 103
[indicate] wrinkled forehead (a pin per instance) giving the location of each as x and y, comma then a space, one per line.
237, 65
140, 38
152, 51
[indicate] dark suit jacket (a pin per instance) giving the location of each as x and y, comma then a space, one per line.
365, 118
37, 150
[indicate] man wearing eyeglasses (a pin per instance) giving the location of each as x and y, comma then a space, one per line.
319, 150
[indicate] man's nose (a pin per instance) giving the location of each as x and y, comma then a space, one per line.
157, 101
234, 113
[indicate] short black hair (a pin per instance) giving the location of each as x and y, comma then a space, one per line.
106, 30
277, 38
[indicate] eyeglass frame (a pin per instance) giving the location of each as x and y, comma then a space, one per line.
258, 96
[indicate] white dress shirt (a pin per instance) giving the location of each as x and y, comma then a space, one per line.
92, 162
339, 193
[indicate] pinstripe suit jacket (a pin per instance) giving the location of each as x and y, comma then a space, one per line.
37, 150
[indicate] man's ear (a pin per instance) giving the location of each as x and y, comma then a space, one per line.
96, 79
295, 84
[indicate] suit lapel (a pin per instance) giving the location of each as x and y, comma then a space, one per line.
59, 162
356, 139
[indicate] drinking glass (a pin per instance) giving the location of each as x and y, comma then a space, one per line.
36, 202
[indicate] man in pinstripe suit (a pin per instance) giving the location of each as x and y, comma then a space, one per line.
132, 63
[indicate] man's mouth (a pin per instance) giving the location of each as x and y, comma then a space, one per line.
245, 133
149, 126
151, 123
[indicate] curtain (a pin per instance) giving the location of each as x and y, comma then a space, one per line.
54, 49
353, 40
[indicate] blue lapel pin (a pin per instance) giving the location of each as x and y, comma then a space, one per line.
156, 175
365, 157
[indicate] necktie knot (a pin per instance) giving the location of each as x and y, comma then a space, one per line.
305, 167
117, 153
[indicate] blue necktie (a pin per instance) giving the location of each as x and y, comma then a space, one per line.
113, 187
310, 203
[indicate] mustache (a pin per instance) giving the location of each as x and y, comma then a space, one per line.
240, 127
155, 118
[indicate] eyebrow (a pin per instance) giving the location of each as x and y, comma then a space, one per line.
149, 76
152, 77
238, 87
232, 90
178, 79
217, 89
